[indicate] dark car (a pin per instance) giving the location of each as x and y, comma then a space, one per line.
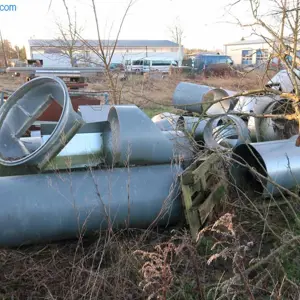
212, 63
116, 67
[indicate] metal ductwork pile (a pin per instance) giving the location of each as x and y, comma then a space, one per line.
100, 167
265, 144
110, 167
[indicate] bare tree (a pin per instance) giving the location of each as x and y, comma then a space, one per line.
106, 49
176, 32
68, 41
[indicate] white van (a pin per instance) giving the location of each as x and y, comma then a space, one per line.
134, 66
158, 64
148, 64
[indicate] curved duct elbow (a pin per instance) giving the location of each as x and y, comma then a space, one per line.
133, 138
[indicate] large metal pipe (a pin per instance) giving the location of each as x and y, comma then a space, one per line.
277, 129
188, 96
215, 132
256, 105
277, 161
220, 107
48, 207
195, 98
192, 125
133, 138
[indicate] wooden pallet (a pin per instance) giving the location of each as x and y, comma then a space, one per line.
203, 186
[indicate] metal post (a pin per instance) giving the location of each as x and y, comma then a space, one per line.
106, 100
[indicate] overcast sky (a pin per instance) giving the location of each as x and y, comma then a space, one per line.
205, 22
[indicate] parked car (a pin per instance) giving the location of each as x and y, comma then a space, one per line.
212, 63
116, 67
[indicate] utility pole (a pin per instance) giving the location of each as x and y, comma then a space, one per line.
3, 49
146, 51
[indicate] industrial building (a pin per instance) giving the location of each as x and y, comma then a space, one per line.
53, 52
251, 52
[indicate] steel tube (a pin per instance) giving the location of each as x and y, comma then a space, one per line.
211, 137
220, 107
133, 138
192, 124
188, 96
275, 160
48, 207
195, 98
277, 129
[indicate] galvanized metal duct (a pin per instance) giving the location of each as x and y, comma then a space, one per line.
277, 129
220, 107
49, 207
192, 125
277, 161
195, 98
188, 96
133, 138
256, 105
162, 116
183, 149
228, 127
21, 110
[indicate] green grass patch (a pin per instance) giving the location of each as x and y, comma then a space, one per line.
152, 111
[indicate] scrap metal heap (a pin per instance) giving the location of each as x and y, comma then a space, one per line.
109, 167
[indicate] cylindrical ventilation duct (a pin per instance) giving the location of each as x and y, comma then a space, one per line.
195, 98
275, 161
133, 138
188, 96
48, 207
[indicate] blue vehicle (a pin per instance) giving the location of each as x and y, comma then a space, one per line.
212, 62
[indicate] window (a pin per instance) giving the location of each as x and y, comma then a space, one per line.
161, 63
137, 63
146, 62
261, 56
246, 57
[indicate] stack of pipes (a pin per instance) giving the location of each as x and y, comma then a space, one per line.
225, 121
96, 168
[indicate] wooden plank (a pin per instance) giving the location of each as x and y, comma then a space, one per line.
203, 187
208, 205
192, 215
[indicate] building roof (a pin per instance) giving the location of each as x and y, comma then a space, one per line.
244, 42
120, 43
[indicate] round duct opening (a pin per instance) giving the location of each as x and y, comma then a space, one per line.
247, 162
